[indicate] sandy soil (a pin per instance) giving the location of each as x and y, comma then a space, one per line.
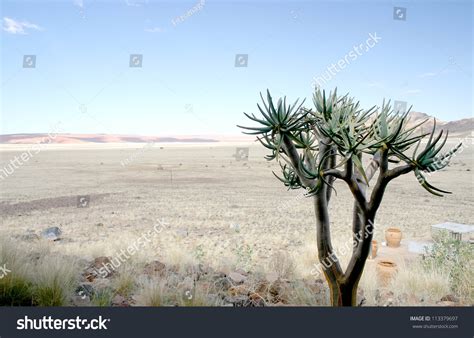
215, 207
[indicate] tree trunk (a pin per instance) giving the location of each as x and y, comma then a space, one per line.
343, 294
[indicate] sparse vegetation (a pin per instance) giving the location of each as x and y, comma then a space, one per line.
102, 297
36, 278
51, 281
453, 258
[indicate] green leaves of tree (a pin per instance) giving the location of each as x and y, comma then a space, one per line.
339, 122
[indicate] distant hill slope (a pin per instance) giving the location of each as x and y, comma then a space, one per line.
92, 138
460, 128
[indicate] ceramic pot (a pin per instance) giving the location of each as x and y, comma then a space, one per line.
393, 237
373, 249
386, 269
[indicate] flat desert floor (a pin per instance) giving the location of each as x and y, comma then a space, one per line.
213, 206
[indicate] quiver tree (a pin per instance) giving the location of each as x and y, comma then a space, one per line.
315, 147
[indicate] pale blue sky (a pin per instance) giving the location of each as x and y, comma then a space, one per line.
188, 83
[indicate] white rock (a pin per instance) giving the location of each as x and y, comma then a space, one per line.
237, 277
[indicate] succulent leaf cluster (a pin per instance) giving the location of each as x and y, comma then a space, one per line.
339, 124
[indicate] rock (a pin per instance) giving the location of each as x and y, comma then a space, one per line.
100, 267
278, 292
52, 234
222, 283
235, 227
384, 297
238, 290
256, 300
237, 278
242, 272
101, 261
237, 301
262, 288
83, 295
449, 298
155, 268
121, 301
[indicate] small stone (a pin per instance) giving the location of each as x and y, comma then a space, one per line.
237, 277
119, 300
256, 300
449, 298
52, 234
101, 261
262, 288
100, 267
155, 268
242, 272
384, 297
238, 290
237, 301
222, 283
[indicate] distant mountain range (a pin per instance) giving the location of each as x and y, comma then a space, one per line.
460, 128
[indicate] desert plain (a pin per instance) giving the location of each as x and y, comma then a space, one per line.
215, 209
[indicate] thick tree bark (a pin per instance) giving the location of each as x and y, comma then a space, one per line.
343, 294
343, 284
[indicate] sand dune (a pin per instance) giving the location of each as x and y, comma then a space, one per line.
460, 128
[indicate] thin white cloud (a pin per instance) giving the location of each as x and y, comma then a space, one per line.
154, 30
79, 3
18, 27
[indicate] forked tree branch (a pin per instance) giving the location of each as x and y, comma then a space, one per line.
292, 153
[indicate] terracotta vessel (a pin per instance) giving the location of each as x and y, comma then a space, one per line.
386, 269
373, 249
393, 237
